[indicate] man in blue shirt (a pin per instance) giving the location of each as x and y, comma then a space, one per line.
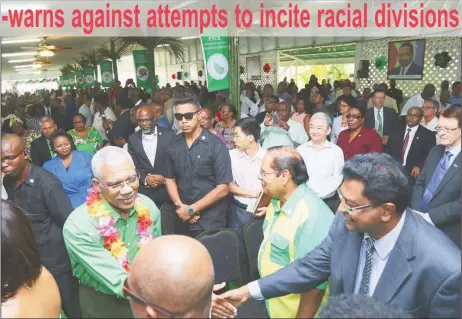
161, 120
456, 97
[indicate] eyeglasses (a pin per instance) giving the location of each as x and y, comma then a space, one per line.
354, 117
186, 116
131, 182
446, 129
263, 173
145, 120
352, 209
11, 158
139, 299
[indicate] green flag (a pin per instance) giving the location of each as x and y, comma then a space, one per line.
65, 80
215, 50
79, 78
141, 69
107, 79
71, 77
88, 77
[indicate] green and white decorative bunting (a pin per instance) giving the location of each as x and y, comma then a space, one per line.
107, 78
71, 77
79, 78
141, 68
88, 77
215, 51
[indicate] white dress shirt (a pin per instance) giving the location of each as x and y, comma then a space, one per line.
337, 128
85, 111
432, 127
4, 194
98, 121
245, 173
324, 167
416, 100
411, 138
48, 111
382, 250
150, 145
403, 71
248, 108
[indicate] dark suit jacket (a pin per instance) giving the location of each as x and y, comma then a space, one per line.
444, 208
389, 120
414, 69
421, 277
39, 150
143, 165
123, 127
423, 141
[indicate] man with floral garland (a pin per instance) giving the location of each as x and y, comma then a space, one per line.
104, 235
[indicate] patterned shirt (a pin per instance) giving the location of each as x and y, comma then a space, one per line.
291, 232
228, 133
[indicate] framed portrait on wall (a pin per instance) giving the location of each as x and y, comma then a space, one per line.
253, 68
406, 59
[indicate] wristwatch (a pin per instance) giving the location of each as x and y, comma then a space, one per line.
191, 211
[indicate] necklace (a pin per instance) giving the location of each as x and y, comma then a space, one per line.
105, 224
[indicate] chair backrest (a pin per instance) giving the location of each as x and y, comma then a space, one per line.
253, 309
253, 237
223, 246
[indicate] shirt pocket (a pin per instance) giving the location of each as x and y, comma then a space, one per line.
279, 253
204, 166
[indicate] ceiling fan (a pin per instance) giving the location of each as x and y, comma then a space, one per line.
45, 50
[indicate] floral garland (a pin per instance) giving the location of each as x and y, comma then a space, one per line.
106, 226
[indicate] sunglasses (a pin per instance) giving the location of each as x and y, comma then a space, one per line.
187, 116
143, 301
354, 117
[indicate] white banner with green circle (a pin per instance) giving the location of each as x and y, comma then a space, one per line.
88, 77
215, 50
79, 78
107, 79
141, 68
71, 77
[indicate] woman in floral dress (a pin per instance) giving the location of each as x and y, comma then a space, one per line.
86, 139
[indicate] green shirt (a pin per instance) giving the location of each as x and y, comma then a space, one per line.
92, 263
87, 144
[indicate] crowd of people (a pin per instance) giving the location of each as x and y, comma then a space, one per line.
105, 191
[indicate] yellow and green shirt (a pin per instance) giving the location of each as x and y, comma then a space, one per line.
290, 232
92, 264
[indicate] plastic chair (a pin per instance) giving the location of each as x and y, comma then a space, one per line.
253, 237
223, 246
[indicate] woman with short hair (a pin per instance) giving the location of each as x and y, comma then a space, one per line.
73, 168
86, 139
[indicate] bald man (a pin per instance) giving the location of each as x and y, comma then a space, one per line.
179, 282
47, 206
161, 120
148, 149
40, 148
205, 120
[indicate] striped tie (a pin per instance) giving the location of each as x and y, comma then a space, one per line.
364, 288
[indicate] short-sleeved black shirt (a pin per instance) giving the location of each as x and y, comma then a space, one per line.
47, 207
198, 170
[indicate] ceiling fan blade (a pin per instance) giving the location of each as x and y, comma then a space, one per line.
29, 48
62, 48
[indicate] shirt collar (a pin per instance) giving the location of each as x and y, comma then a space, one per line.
413, 129
139, 102
149, 136
455, 150
327, 144
260, 154
289, 207
384, 245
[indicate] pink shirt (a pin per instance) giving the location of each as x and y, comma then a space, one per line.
298, 117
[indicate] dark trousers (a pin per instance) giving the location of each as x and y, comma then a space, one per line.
69, 290
237, 219
95, 304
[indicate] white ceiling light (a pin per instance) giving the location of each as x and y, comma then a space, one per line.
14, 41
187, 38
7, 55
37, 66
21, 60
46, 53
24, 66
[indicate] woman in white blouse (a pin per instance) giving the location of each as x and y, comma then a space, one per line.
324, 161
340, 123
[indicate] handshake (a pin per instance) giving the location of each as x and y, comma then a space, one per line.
226, 304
